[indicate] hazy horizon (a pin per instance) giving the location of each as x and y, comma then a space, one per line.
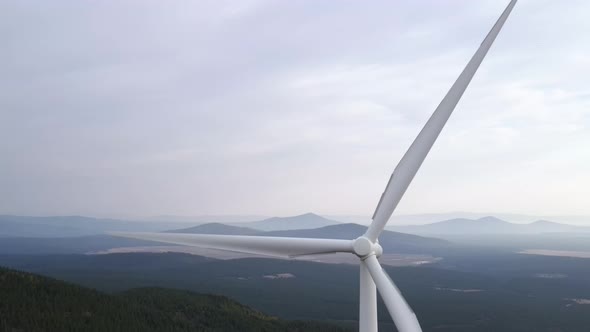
396, 220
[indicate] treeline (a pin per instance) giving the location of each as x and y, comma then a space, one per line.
30, 303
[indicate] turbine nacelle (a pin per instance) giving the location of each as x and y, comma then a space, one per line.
363, 246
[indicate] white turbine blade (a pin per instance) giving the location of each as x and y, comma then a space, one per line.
403, 316
261, 245
411, 161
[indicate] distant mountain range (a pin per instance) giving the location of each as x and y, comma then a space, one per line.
74, 234
78, 235
304, 221
72, 226
488, 225
69, 226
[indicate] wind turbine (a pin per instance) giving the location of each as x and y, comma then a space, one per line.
365, 247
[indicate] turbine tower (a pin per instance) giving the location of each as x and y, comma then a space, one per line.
365, 247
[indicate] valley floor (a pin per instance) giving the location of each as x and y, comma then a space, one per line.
465, 291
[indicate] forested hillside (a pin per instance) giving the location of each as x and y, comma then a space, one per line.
30, 302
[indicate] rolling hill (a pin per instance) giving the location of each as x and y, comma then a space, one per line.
30, 302
304, 221
217, 228
392, 242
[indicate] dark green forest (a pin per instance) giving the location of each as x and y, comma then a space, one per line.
30, 302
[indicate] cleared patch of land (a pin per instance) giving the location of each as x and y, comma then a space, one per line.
550, 275
559, 253
458, 290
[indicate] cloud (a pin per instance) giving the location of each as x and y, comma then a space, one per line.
263, 107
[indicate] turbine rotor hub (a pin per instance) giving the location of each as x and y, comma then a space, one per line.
363, 247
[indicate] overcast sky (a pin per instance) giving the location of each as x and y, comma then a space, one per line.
284, 107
